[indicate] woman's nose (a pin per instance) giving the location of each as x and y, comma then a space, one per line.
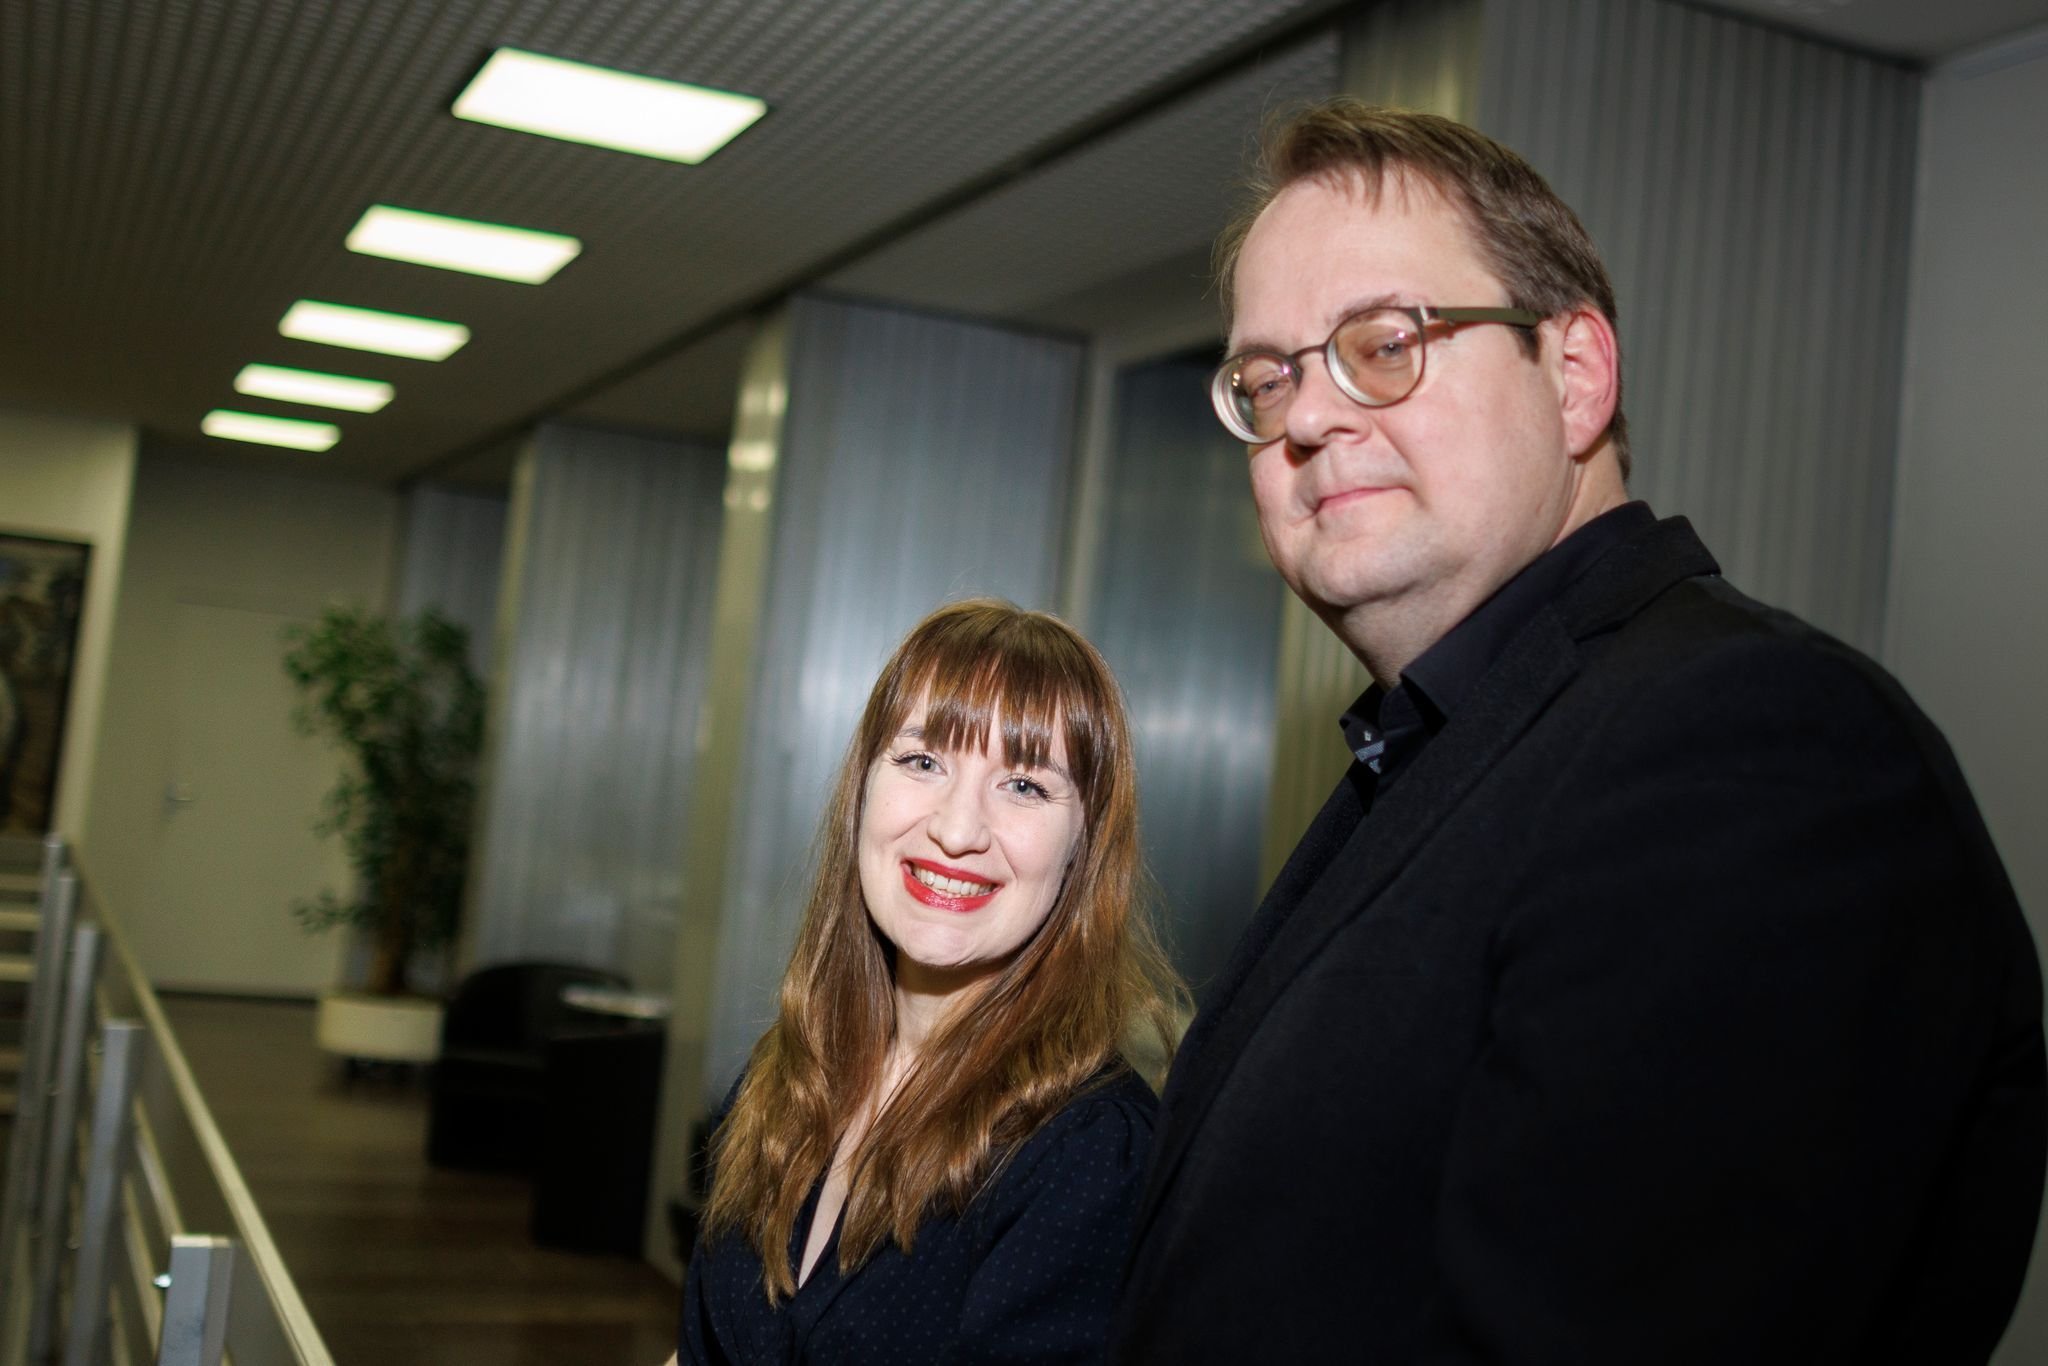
958, 823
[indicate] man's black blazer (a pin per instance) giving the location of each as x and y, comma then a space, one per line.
1671, 1007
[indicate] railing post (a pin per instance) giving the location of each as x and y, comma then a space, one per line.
67, 1095
196, 1309
112, 1118
22, 1197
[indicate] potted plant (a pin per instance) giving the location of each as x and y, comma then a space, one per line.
399, 698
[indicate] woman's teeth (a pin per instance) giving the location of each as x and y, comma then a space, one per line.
950, 886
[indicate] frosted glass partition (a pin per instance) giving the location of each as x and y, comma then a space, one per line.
594, 717
1750, 191
1186, 608
454, 555
923, 459
1418, 54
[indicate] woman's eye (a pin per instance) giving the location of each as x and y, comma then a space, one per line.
917, 761
1021, 786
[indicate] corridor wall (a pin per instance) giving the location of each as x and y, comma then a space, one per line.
1967, 633
70, 479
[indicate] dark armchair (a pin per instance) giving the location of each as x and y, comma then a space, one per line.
489, 1084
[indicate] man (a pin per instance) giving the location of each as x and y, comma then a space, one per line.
1649, 991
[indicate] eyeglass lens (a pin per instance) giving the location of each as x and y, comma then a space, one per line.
1377, 357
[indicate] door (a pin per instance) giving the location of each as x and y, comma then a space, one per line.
237, 846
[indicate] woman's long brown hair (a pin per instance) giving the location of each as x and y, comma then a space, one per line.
1030, 1038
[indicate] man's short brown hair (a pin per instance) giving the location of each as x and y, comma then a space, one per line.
1530, 239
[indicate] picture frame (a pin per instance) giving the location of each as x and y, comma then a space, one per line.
42, 600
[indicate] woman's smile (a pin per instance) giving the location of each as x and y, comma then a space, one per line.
947, 888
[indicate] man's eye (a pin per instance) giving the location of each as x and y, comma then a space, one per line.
1264, 383
1383, 350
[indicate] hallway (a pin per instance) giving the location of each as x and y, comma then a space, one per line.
401, 1264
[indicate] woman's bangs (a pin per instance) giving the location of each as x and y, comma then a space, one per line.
962, 706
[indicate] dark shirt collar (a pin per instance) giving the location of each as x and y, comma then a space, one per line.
1385, 727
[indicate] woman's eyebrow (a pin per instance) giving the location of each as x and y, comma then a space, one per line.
1054, 767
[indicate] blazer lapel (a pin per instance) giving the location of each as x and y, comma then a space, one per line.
1627, 578
1323, 889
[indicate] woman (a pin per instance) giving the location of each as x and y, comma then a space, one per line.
935, 1152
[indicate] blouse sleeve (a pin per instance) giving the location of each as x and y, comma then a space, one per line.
1057, 1232
697, 1341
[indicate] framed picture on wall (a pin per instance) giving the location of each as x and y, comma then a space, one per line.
42, 593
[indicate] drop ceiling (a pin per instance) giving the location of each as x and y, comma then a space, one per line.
174, 175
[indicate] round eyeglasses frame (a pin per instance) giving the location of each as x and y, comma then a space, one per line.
1242, 416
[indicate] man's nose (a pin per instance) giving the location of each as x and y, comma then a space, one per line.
1320, 409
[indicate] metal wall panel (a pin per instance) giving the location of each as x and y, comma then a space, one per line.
594, 719
1186, 608
923, 459
1750, 192
454, 556
1418, 54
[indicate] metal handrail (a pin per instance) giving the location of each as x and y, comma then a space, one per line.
173, 1169
259, 1249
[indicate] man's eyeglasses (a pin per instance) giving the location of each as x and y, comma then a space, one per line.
1375, 357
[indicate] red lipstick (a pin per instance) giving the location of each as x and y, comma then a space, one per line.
933, 897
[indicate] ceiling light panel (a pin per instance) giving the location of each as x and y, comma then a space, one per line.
270, 431
605, 108
429, 239
312, 387
364, 329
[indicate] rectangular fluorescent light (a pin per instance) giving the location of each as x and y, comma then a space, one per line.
429, 239
310, 386
605, 108
270, 431
365, 329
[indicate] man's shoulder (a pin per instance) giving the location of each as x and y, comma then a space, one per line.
1706, 635
1660, 596
1707, 671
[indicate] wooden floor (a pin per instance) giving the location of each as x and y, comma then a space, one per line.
402, 1264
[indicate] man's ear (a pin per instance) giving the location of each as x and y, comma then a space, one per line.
1588, 366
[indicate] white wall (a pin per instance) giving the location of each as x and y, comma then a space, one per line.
217, 559
69, 479
1968, 629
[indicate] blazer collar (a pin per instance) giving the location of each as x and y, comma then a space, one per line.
1338, 870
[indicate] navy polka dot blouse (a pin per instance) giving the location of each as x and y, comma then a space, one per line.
1028, 1273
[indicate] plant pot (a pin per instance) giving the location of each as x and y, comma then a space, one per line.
379, 1028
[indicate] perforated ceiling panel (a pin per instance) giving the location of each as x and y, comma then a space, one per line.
1161, 186
173, 175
